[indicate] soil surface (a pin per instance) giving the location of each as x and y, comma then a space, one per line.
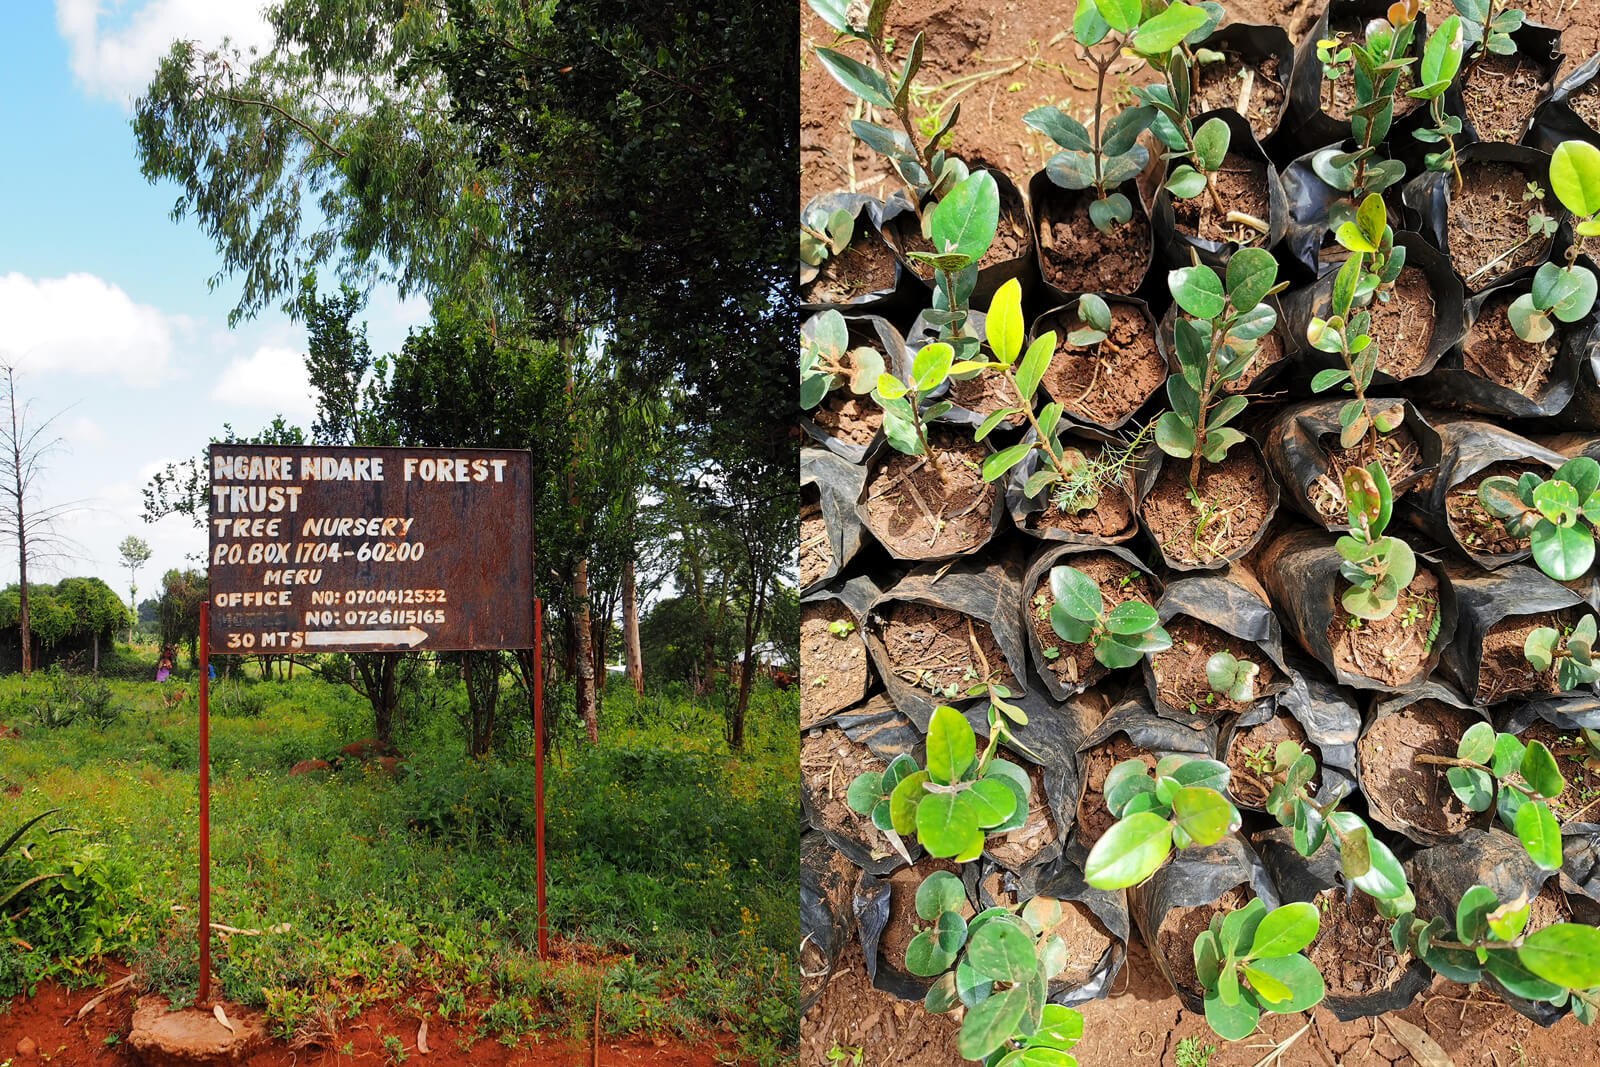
1110, 519
829, 762
1493, 350
1402, 326
1223, 85
916, 516
1242, 187
890, 1032
1353, 950
1107, 382
866, 266
985, 392
1488, 218
1077, 257
1180, 926
847, 417
1086, 940
1472, 524
1398, 452
1393, 650
904, 923
1245, 785
1237, 492
1501, 96
1180, 671
1401, 792
1092, 818
816, 549
1580, 799
1075, 665
833, 667
1012, 850
931, 648
1503, 670
1579, 25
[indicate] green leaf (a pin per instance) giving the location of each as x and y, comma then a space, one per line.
1324, 380
1002, 951
1472, 787
989, 1024
1203, 814
859, 78
1161, 34
1518, 980
930, 366
1472, 913
1073, 631
1123, 130
998, 463
1540, 771
941, 891
1211, 145
1562, 552
1386, 879
1252, 272
964, 221
904, 800
1198, 291
1093, 310
1285, 930
925, 957
1350, 236
1034, 363
1059, 1028
1567, 954
1477, 744
1441, 57
1174, 436
1075, 593
1293, 972
1186, 183
952, 747
1131, 617
991, 801
865, 791
1114, 210
1123, 782
1540, 835
1122, 15
1060, 127
941, 996
991, 420
1575, 177
1582, 473
1089, 27
1129, 852
1233, 1022
1071, 169
947, 826
1003, 325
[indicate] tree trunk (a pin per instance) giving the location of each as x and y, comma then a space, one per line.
630, 628
22, 591
584, 653
752, 623
97, 654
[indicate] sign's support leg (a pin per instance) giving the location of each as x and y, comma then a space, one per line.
538, 769
203, 996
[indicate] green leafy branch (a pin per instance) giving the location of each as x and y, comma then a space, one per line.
1249, 961
1441, 58
1378, 61
1181, 804
1571, 651
1376, 565
1556, 516
1121, 637
1483, 758
822, 362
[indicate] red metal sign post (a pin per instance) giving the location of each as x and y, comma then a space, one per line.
203, 997
538, 769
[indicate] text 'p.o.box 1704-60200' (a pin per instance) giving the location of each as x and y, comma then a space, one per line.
369, 549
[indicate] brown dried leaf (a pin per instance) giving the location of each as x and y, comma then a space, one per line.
1424, 1049
422, 1038
222, 1017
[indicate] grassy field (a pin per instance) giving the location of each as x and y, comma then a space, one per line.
671, 861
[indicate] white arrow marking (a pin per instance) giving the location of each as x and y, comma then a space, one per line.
411, 638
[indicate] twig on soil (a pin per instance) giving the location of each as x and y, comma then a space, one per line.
1277, 1052
94, 1003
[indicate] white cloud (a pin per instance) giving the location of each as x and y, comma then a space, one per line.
84, 431
117, 62
273, 380
85, 325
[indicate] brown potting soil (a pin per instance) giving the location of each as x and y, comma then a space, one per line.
1548, 907
816, 550
867, 266
1493, 350
891, 1032
1011, 850
829, 762
1402, 326
1503, 669
1352, 949
1106, 383
1180, 671
1580, 799
1501, 95
913, 514
1245, 784
1086, 941
1488, 218
1222, 84
1241, 186
1111, 516
833, 667
1586, 102
1401, 791
931, 648
1238, 492
1393, 650
1077, 257
1118, 582
1011, 238
1175, 936
1092, 817
1579, 25
1397, 451
1472, 523
985, 392
1344, 89
1269, 350
904, 923
848, 417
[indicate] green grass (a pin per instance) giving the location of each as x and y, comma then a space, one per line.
674, 857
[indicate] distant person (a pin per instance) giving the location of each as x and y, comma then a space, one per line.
164, 670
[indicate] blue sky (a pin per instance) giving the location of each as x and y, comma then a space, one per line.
104, 304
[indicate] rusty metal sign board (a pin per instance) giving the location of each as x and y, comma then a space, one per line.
369, 549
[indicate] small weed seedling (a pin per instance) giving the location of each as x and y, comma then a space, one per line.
822, 362
1559, 964
1377, 62
1527, 777
1121, 638
1232, 677
1249, 961
1191, 1053
1181, 804
1572, 652
1556, 516
1334, 55
1441, 58
1215, 346
1377, 566
841, 627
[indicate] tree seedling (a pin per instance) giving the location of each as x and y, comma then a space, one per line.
1571, 651
1215, 346
1376, 565
1249, 961
1232, 677
1121, 637
1555, 515
824, 234
1441, 59
1487, 25
1378, 61
1527, 777
1565, 292
1180, 804
1558, 964
841, 627
905, 419
1334, 55
823, 366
